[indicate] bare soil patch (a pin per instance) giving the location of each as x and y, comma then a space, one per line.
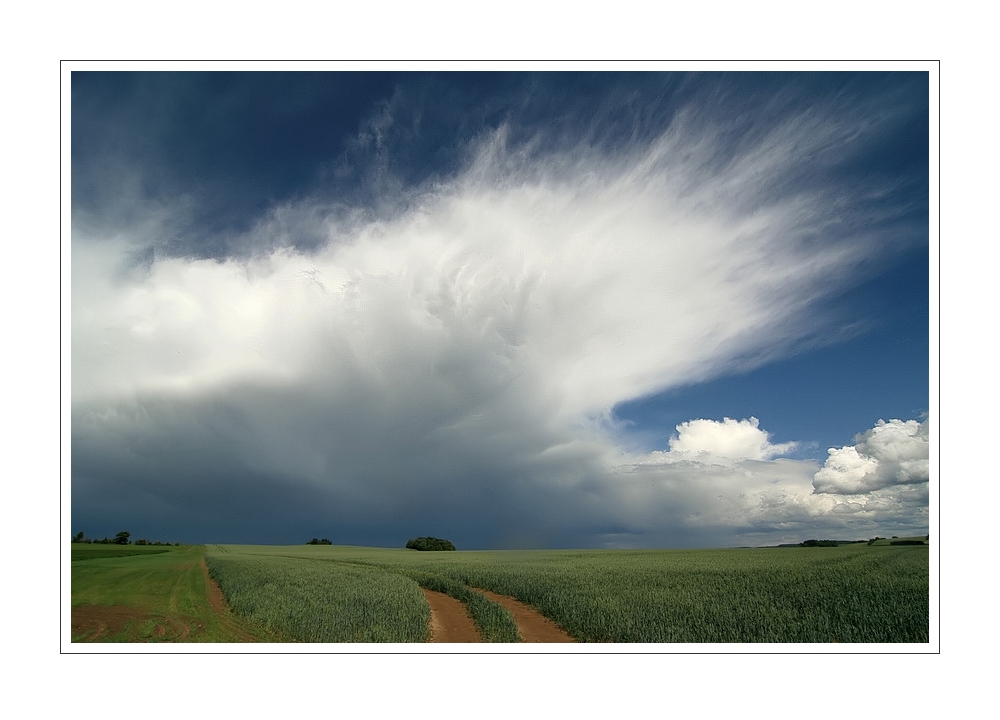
450, 621
93, 623
533, 626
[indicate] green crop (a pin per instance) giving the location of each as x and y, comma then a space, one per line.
305, 600
307, 595
853, 593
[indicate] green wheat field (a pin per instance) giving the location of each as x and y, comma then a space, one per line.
855, 593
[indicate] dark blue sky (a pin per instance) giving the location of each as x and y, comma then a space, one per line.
493, 305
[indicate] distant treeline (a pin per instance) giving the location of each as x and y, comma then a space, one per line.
122, 538
871, 541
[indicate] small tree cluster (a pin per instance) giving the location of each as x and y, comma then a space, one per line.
324, 541
429, 543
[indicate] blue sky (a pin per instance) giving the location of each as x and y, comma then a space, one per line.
513, 309
819, 395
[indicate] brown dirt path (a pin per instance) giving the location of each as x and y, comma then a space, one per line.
450, 621
533, 626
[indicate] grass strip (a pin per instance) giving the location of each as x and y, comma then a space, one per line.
149, 596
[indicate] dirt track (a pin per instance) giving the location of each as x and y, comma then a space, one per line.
450, 621
533, 626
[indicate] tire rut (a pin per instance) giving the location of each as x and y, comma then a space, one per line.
533, 626
451, 623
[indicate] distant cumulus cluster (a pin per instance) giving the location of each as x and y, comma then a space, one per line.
891, 453
727, 474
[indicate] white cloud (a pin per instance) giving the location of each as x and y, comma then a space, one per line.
891, 453
712, 441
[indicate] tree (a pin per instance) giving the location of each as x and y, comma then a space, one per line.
429, 543
78, 537
122, 538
